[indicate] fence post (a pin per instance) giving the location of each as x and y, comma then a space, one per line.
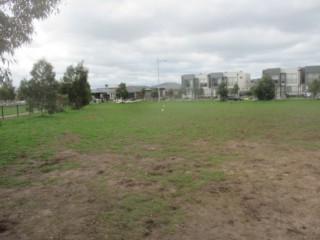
17, 110
2, 112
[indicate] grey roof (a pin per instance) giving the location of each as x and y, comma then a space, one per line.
312, 69
133, 89
102, 90
272, 71
168, 85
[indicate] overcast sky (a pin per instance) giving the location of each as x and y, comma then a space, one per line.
121, 40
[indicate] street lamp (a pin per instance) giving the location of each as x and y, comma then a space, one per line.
158, 62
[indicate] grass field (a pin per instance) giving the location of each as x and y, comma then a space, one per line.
169, 170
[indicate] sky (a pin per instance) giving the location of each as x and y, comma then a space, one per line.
121, 40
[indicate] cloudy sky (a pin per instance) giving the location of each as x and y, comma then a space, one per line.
121, 40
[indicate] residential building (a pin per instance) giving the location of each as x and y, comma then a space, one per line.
109, 92
292, 81
166, 87
208, 83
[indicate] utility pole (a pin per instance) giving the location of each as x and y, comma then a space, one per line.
158, 63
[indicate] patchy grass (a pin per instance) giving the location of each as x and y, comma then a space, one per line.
60, 167
13, 182
132, 171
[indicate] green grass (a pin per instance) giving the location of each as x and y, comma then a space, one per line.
133, 128
60, 167
13, 182
190, 139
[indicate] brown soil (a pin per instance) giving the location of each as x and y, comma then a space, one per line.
272, 193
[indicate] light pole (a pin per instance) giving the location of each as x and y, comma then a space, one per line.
158, 62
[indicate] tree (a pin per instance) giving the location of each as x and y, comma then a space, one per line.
265, 89
16, 18
154, 93
170, 93
79, 94
143, 93
122, 92
235, 88
67, 80
41, 90
314, 87
7, 92
182, 91
222, 91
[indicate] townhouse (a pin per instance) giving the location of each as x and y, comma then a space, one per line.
292, 81
205, 85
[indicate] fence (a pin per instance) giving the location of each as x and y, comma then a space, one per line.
13, 110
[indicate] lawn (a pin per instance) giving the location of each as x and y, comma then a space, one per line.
161, 171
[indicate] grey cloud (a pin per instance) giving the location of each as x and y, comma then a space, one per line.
120, 40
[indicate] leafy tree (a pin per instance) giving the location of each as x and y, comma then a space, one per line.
79, 94
122, 92
182, 91
314, 87
41, 90
16, 18
7, 92
170, 93
235, 88
143, 93
265, 89
67, 80
222, 91
154, 93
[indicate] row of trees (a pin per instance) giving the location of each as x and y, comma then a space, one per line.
44, 92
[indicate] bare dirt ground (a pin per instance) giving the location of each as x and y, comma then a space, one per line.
272, 193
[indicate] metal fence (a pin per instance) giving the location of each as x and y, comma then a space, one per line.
13, 110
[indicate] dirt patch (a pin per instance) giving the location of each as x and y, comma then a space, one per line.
69, 138
271, 192
264, 197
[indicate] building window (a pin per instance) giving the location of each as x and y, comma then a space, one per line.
292, 78
275, 78
311, 76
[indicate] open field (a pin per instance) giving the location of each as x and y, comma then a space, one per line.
173, 170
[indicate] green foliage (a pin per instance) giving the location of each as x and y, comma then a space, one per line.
60, 167
182, 91
67, 80
154, 93
17, 26
143, 93
41, 90
197, 92
13, 182
122, 92
7, 92
235, 88
265, 89
314, 87
170, 93
222, 91
75, 84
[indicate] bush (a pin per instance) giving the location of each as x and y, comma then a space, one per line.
265, 89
